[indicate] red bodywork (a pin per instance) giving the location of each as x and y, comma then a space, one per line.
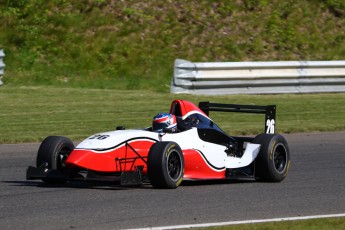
133, 154
182, 108
126, 157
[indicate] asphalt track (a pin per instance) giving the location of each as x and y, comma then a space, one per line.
315, 186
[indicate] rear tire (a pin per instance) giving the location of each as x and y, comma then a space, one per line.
165, 165
53, 152
273, 161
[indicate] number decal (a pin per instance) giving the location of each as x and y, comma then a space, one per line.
99, 137
270, 125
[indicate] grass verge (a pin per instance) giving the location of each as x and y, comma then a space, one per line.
322, 223
30, 113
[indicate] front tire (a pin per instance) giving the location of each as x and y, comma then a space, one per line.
53, 152
273, 161
165, 165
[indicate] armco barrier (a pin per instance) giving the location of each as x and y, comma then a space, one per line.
258, 77
2, 65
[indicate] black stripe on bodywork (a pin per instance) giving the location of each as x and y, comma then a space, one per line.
124, 142
152, 139
212, 166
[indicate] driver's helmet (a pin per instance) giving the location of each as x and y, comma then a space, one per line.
164, 121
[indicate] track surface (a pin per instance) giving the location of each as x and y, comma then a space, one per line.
315, 185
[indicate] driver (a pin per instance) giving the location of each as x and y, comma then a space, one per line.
164, 122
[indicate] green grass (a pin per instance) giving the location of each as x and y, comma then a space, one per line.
133, 44
30, 113
323, 223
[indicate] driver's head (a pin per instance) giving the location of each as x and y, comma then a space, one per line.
165, 121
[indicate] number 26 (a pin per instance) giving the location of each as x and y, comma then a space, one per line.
270, 125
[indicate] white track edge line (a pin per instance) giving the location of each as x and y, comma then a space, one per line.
241, 222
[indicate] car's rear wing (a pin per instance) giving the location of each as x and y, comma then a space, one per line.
268, 110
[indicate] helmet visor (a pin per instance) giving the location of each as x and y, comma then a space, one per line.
158, 126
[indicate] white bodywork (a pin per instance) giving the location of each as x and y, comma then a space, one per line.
214, 153
248, 157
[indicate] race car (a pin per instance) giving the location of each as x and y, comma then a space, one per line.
198, 149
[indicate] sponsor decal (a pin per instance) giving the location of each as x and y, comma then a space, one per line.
179, 181
169, 149
287, 169
273, 148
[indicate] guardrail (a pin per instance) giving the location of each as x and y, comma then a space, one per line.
258, 77
2, 64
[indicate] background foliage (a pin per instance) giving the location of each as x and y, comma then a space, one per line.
133, 44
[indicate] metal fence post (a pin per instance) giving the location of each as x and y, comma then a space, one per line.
2, 64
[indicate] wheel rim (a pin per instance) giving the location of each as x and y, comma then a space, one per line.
280, 158
174, 165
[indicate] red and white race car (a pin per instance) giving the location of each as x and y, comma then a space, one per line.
197, 150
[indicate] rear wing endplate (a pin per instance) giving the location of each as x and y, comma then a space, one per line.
268, 110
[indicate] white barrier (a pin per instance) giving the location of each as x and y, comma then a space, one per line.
2, 65
258, 77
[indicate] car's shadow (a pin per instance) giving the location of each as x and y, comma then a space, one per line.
116, 185
216, 182
77, 185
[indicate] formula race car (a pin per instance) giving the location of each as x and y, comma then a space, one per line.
196, 149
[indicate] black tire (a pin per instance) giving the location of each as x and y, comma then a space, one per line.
165, 165
54, 151
273, 161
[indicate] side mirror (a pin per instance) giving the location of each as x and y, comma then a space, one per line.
166, 130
